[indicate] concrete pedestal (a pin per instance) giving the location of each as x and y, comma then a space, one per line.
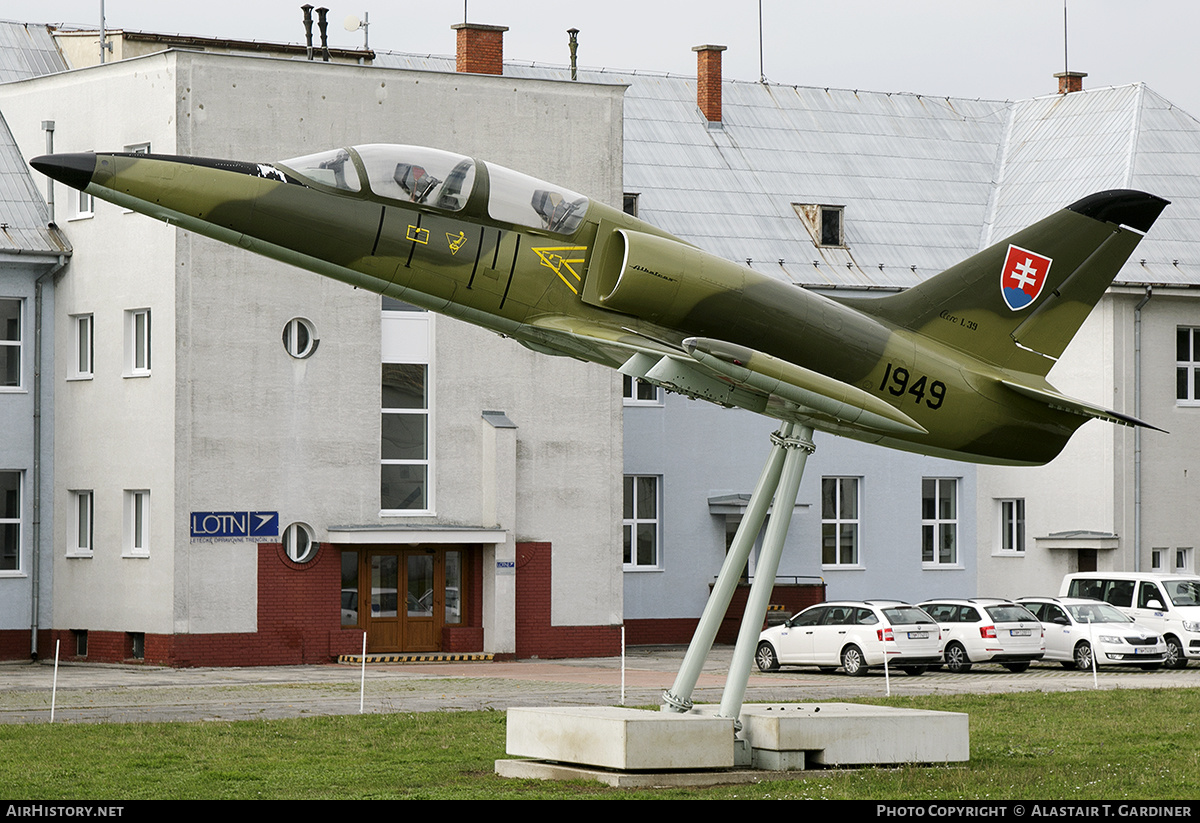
781, 737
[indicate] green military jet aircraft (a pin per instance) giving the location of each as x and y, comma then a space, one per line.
954, 367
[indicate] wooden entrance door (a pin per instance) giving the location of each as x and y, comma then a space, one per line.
406, 609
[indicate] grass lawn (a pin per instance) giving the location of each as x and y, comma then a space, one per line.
1115, 744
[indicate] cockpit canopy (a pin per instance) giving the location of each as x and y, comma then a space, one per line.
444, 181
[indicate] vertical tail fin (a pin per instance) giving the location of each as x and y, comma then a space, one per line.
1018, 303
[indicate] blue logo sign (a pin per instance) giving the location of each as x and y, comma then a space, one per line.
246, 525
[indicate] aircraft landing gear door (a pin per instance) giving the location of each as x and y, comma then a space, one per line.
420, 631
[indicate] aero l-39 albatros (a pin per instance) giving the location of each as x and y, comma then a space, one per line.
954, 367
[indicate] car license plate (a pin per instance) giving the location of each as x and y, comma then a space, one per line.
1143, 650
918, 635
1019, 633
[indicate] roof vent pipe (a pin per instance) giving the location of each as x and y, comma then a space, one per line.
308, 21
708, 81
323, 25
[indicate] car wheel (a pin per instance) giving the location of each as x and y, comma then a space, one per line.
1083, 657
852, 661
956, 659
1016, 668
914, 671
1175, 657
765, 658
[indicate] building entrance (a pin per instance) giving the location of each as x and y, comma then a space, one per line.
414, 593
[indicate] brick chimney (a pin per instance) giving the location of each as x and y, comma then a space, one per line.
708, 81
1069, 81
480, 48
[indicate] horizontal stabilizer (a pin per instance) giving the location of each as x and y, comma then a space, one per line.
1081, 407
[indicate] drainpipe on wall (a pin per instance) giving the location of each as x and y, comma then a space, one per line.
35, 570
1137, 431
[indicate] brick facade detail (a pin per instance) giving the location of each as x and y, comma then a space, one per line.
299, 621
536, 636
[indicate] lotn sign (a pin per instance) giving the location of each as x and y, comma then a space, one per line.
245, 525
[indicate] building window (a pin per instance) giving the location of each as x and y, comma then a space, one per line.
1183, 561
138, 148
299, 338
84, 523
640, 524
1012, 525
298, 542
10, 521
135, 645
640, 393
1156, 559
630, 203
80, 642
137, 343
83, 361
1187, 366
11, 310
404, 453
85, 205
939, 521
137, 523
839, 521
824, 224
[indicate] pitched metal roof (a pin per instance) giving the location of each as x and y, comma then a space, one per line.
24, 218
925, 181
27, 50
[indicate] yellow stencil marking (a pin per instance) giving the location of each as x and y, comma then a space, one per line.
557, 260
456, 241
418, 235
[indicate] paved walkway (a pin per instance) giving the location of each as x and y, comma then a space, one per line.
129, 694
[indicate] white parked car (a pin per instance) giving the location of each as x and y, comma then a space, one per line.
987, 630
853, 635
1075, 626
1168, 604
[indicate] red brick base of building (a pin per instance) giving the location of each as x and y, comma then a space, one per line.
536, 636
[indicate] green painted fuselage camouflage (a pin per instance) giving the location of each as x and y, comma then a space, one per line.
954, 367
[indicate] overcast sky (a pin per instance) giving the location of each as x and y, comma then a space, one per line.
999, 49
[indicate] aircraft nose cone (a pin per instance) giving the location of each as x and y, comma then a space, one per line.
73, 169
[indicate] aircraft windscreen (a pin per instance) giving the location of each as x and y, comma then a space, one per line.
419, 175
526, 201
329, 168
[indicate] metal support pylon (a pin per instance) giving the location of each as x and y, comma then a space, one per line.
784, 447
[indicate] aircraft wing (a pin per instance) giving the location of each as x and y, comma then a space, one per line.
1075, 406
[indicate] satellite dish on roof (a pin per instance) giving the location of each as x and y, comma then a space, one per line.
352, 22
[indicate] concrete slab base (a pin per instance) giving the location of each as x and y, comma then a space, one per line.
545, 770
576, 741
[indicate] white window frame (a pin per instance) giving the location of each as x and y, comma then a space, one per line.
1183, 560
83, 505
632, 388
299, 543
83, 358
835, 523
139, 339
85, 206
1156, 559
8, 519
1187, 365
635, 521
407, 339
937, 523
137, 523
300, 338
6, 345
1012, 527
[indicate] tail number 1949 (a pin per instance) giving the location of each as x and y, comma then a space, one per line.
898, 381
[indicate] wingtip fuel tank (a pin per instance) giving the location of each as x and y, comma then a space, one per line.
954, 367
